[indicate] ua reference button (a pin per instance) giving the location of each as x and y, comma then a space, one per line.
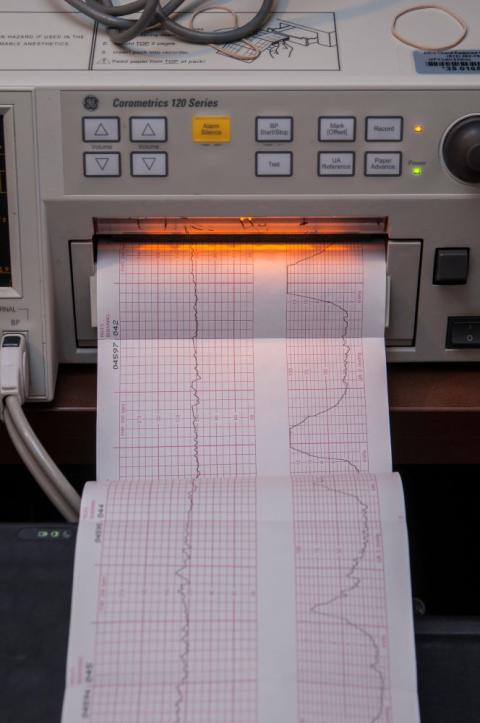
336, 164
211, 129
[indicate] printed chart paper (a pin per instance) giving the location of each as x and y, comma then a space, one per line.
262, 360
245, 559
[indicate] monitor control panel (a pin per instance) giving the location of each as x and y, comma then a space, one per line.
275, 142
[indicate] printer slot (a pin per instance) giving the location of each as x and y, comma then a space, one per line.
82, 270
403, 269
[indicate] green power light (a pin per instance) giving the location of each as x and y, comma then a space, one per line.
417, 171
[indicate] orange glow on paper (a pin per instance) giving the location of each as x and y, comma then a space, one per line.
240, 226
220, 247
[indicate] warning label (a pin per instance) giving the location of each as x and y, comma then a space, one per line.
46, 39
444, 62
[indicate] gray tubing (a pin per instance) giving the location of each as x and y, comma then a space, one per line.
121, 30
40, 477
39, 454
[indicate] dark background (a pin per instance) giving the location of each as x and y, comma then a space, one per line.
443, 522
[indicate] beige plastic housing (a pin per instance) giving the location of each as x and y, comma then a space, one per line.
48, 89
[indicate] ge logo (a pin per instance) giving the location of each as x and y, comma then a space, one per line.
90, 102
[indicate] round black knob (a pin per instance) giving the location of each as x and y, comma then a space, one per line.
461, 149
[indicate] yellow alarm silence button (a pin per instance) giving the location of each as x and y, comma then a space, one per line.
211, 129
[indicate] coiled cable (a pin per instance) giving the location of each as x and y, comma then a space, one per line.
153, 15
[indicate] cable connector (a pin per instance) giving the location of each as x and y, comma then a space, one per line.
14, 377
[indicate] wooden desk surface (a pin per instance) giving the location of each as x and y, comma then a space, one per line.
434, 415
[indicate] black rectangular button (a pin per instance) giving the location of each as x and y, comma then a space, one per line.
463, 332
451, 266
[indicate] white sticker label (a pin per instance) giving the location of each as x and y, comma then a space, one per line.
51, 38
447, 62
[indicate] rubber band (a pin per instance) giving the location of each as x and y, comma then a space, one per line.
221, 49
463, 25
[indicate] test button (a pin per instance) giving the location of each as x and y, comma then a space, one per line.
274, 164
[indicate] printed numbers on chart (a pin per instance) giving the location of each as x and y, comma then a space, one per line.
115, 327
115, 356
86, 703
88, 672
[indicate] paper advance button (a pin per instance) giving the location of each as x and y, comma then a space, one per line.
101, 164
274, 130
384, 129
383, 164
149, 164
144, 130
337, 129
274, 164
336, 164
101, 130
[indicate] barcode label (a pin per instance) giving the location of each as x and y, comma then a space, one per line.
451, 61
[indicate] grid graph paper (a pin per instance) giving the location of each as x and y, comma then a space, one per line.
185, 328
205, 591
342, 631
326, 380
186, 409
340, 576
172, 592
